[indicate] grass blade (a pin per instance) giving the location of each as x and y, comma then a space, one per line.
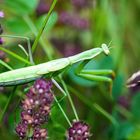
15, 55
43, 26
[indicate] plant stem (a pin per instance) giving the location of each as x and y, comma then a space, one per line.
106, 114
69, 97
123, 111
5, 65
62, 111
6, 106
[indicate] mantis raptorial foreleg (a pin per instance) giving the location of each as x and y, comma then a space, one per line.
95, 75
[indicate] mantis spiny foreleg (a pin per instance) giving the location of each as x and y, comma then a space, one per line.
95, 75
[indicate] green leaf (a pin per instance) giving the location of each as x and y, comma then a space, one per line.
135, 135
122, 132
56, 112
21, 7
17, 26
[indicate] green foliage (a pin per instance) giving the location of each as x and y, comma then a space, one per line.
21, 7
116, 21
135, 107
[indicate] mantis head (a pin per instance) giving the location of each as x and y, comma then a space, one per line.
105, 49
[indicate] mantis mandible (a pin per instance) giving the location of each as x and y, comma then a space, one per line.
54, 67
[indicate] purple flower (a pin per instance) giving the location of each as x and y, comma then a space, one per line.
78, 131
36, 108
1, 14
40, 134
80, 3
42, 8
1, 41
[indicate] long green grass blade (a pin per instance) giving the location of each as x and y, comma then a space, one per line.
43, 26
44, 44
94, 106
15, 55
105, 113
5, 65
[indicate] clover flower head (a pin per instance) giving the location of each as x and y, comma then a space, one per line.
35, 110
79, 131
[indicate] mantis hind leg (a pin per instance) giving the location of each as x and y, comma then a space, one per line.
96, 75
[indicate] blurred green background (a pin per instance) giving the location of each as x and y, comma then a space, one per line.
75, 26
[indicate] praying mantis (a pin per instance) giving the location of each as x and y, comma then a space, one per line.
55, 67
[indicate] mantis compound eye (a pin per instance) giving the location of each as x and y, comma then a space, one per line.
105, 49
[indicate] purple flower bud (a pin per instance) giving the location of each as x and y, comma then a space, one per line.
21, 130
42, 8
124, 101
133, 82
1, 41
42, 86
1, 14
78, 131
40, 134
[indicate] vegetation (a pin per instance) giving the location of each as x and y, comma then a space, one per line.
56, 29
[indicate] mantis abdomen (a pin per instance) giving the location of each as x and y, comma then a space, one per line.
28, 74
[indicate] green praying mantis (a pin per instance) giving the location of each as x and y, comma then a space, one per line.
55, 67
